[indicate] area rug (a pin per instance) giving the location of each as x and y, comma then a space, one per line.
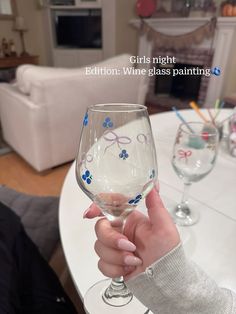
4, 148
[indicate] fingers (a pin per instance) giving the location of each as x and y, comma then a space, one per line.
156, 210
115, 251
111, 238
116, 257
92, 211
113, 271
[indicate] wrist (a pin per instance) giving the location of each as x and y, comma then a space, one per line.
167, 266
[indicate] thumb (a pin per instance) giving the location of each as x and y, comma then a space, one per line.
157, 212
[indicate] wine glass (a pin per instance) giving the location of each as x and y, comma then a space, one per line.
116, 167
194, 155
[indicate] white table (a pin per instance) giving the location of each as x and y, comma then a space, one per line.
211, 243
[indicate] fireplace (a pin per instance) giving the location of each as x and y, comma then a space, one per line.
211, 52
183, 87
176, 88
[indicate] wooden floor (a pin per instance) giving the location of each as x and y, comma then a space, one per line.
17, 174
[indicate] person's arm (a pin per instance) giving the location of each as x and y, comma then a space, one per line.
176, 285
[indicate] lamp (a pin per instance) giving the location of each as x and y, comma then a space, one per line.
19, 26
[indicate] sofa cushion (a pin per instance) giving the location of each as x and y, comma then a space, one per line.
39, 215
28, 75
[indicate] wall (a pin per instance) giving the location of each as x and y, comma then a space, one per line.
126, 35
34, 37
230, 81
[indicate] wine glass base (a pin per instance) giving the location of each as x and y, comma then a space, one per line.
94, 303
185, 220
181, 219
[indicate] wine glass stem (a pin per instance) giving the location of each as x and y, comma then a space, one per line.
183, 206
117, 284
117, 288
186, 192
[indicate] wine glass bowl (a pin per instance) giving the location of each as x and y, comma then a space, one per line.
194, 155
116, 167
116, 163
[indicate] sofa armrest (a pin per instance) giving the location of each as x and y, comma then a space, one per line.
25, 126
12, 91
27, 75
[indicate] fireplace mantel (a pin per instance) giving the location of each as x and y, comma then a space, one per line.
222, 43
184, 22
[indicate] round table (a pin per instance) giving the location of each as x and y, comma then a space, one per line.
210, 242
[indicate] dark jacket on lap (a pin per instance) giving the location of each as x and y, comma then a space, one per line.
27, 283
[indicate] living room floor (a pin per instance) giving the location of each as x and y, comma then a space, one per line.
17, 174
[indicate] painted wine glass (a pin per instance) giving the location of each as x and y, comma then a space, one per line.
116, 167
194, 155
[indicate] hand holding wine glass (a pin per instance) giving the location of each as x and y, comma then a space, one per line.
116, 168
153, 235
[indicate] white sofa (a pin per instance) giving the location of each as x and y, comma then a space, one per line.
42, 112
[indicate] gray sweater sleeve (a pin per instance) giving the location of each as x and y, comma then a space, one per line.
176, 285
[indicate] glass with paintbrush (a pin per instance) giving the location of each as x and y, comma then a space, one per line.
194, 156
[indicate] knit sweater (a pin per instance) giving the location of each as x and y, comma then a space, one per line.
175, 285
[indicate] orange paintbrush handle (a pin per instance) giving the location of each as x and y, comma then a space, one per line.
195, 107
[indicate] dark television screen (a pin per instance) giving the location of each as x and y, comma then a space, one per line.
80, 29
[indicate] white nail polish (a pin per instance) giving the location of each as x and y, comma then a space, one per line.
126, 245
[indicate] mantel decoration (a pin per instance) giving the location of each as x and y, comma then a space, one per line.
179, 41
145, 8
203, 8
228, 8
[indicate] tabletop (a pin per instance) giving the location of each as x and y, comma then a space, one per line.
210, 242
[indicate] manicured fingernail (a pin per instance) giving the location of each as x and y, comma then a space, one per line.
132, 260
126, 245
86, 212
